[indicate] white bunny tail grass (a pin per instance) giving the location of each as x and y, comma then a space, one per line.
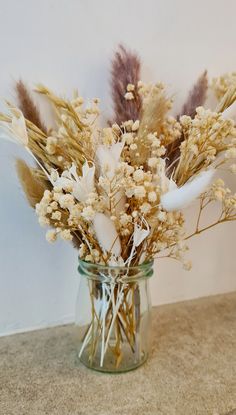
183, 196
106, 234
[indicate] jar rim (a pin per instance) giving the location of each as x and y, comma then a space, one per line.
143, 266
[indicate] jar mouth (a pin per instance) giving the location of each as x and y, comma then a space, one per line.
143, 266
115, 273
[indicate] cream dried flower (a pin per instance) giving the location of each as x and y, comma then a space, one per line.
129, 96
88, 213
138, 175
130, 87
139, 192
135, 126
152, 197
56, 215
65, 234
51, 235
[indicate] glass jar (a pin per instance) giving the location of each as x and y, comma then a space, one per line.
113, 316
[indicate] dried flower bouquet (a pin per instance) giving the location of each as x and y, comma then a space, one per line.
118, 192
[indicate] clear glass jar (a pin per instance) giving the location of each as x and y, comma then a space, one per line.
113, 316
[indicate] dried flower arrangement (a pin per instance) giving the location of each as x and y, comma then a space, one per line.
118, 192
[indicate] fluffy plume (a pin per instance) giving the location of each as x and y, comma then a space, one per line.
181, 197
196, 97
16, 130
125, 70
33, 186
109, 157
154, 112
27, 106
230, 112
106, 234
227, 100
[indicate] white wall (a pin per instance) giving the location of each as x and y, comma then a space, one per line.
67, 44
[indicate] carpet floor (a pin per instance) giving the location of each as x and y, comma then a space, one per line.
191, 369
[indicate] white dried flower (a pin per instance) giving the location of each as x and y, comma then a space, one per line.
51, 235
156, 143
139, 192
128, 138
128, 125
79, 186
56, 215
145, 208
54, 205
219, 194
161, 216
129, 192
135, 126
66, 235
152, 196
47, 196
88, 213
153, 162
130, 87
134, 214
43, 221
129, 96
125, 219
66, 201
82, 250
17, 128
160, 151
138, 175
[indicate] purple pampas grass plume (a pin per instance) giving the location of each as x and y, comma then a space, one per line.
125, 70
196, 97
27, 106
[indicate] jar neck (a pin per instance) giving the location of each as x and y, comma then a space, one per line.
106, 273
